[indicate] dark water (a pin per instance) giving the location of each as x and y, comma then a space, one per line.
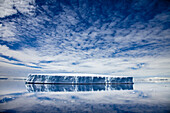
16, 96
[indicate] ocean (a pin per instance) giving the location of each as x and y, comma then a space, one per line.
149, 95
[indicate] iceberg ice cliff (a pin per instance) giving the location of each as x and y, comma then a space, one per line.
76, 79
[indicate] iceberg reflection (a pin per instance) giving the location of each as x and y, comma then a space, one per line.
76, 88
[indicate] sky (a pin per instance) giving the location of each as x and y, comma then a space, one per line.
117, 37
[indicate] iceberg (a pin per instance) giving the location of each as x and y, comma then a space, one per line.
76, 79
76, 88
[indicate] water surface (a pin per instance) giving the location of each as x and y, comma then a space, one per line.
145, 96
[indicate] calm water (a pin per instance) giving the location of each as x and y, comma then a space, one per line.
145, 96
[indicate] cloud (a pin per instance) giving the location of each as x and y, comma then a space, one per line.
122, 66
6, 8
91, 37
9, 7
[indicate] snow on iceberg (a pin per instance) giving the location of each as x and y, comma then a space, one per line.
76, 79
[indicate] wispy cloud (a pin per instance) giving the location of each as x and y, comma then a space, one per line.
124, 38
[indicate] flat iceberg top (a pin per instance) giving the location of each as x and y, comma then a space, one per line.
76, 74
75, 79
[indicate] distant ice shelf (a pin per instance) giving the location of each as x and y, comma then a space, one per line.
76, 79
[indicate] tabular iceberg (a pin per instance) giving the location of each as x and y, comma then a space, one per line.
76, 79
76, 88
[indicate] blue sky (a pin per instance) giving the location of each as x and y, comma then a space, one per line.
119, 37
